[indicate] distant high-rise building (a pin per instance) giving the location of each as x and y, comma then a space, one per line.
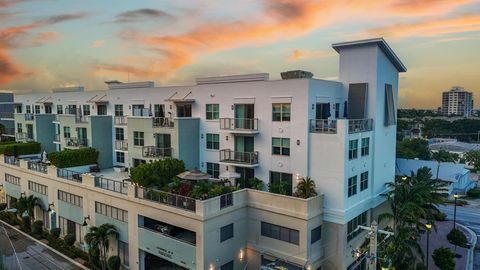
457, 101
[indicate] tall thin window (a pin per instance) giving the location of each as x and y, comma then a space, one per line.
365, 147
213, 141
138, 138
59, 109
352, 149
352, 186
118, 109
212, 111
363, 181
86, 109
390, 117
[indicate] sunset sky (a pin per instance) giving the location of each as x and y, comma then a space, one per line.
54, 43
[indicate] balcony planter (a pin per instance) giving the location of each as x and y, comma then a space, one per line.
118, 168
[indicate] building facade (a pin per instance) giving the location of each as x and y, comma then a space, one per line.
6, 116
340, 133
457, 101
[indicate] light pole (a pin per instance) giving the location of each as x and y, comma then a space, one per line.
428, 226
455, 197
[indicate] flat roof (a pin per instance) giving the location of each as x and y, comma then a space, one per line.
377, 41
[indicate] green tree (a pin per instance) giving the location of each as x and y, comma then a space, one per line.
27, 205
443, 258
445, 156
305, 188
158, 173
413, 148
114, 263
457, 238
473, 157
99, 238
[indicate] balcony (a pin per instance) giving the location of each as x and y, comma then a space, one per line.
23, 136
111, 185
162, 122
38, 167
156, 152
121, 145
323, 126
56, 139
69, 175
120, 120
57, 118
76, 142
360, 125
166, 198
239, 125
6, 115
246, 159
11, 160
10, 132
145, 112
81, 118
29, 117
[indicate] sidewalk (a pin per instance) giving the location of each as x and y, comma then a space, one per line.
438, 239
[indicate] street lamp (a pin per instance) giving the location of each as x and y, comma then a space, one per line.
428, 226
85, 221
455, 196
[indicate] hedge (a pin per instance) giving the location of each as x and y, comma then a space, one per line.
158, 173
20, 148
73, 158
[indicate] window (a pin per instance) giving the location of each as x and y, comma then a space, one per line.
123, 252
59, 109
353, 149
365, 147
353, 224
37, 109
316, 234
28, 109
120, 157
36, 187
159, 110
281, 112
184, 110
12, 179
138, 138
280, 233
227, 266
19, 128
101, 109
213, 111
213, 141
18, 108
213, 169
48, 109
86, 109
281, 183
118, 109
137, 161
352, 186
281, 146
226, 232
337, 110
111, 212
66, 132
363, 181
390, 118
70, 198
119, 134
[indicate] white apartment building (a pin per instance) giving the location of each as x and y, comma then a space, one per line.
341, 133
457, 101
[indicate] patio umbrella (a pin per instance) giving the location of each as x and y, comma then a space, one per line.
193, 175
229, 174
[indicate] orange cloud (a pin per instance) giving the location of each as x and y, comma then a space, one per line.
435, 27
425, 7
8, 69
97, 43
301, 54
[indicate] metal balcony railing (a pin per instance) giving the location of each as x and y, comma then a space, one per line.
11, 160
142, 112
81, 118
57, 118
156, 152
112, 185
56, 138
120, 120
231, 156
23, 136
360, 125
239, 124
166, 198
121, 145
69, 175
164, 122
38, 167
29, 117
323, 126
6, 115
76, 142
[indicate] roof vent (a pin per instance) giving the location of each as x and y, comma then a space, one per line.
296, 74
120, 85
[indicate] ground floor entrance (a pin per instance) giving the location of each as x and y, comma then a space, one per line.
149, 261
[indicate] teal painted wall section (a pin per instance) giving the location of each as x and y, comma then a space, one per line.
102, 134
70, 211
12, 190
189, 142
122, 227
45, 131
43, 198
168, 248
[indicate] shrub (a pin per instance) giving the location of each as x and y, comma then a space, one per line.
94, 257
474, 193
3, 206
444, 258
114, 263
421, 266
26, 225
69, 240
255, 183
439, 216
55, 232
158, 173
37, 228
72, 158
16, 149
279, 187
456, 237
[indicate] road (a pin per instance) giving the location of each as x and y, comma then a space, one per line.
470, 217
22, 253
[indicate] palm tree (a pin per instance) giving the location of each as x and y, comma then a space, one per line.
305, 188
27, 204
99, 238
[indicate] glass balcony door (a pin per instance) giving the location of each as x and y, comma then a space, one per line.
244, 113
163, 141
322, 111
244, 144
